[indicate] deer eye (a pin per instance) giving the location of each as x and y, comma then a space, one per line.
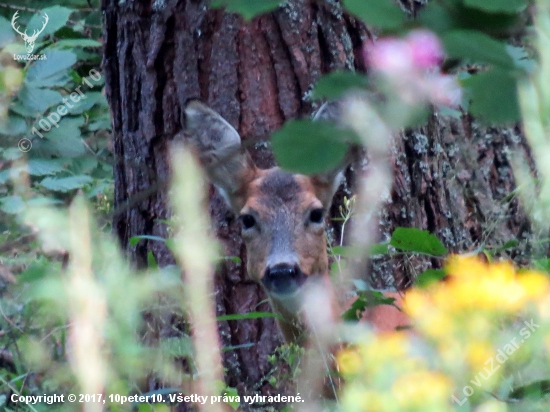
317, 215
248, 221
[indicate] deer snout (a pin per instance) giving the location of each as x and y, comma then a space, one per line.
283, 279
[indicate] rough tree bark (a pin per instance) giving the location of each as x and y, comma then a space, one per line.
452, 177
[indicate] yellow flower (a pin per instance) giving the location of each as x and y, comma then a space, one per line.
463, 317
474, 285
534, 284
378, 356
478, 353
423, 390
502, 272
416, 303
478, 285
464, 267
387, 346
348, 361
437, 324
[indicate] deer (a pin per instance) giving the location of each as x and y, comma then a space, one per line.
282, 217
29, 40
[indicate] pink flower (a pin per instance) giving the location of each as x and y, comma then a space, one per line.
444, 90
389, 55
421, 49
411, 67
426, 48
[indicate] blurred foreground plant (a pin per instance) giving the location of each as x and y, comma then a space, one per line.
534, 96
195, 248
482, 333
84, 332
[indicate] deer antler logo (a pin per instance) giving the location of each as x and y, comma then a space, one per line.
29, 40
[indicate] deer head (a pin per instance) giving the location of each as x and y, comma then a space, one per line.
29, 40
282, 214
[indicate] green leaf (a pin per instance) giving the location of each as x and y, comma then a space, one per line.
378, 13
232, 394
250, 315
42, 201
68, 127
71, 43
102, 122
379, 249
234, 259
19, 108
38, 100
151, 261
59, 79
86, 102
171, 244
36, 271
57, 15
235, 347
247, 8
504, 6
12, 125
67, 146
134, 240
12, 153
4, 176
83, 165
12, 204
333, 85
365, 300
542, 264
493, 96
476, 46
428, 277
510, 244
57, 63
440, 18
7, 35
65, 184
42, 167
307, 147
521, 58
436, 17
355, 311
416, 240
536, 389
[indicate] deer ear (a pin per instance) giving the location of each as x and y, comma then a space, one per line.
326, 183
218, 146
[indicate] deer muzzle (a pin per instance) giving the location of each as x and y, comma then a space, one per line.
283, 279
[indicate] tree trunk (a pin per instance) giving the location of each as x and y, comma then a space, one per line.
451, 177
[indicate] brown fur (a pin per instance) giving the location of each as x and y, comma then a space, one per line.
281, 204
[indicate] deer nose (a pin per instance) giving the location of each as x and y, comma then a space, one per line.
283, 279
